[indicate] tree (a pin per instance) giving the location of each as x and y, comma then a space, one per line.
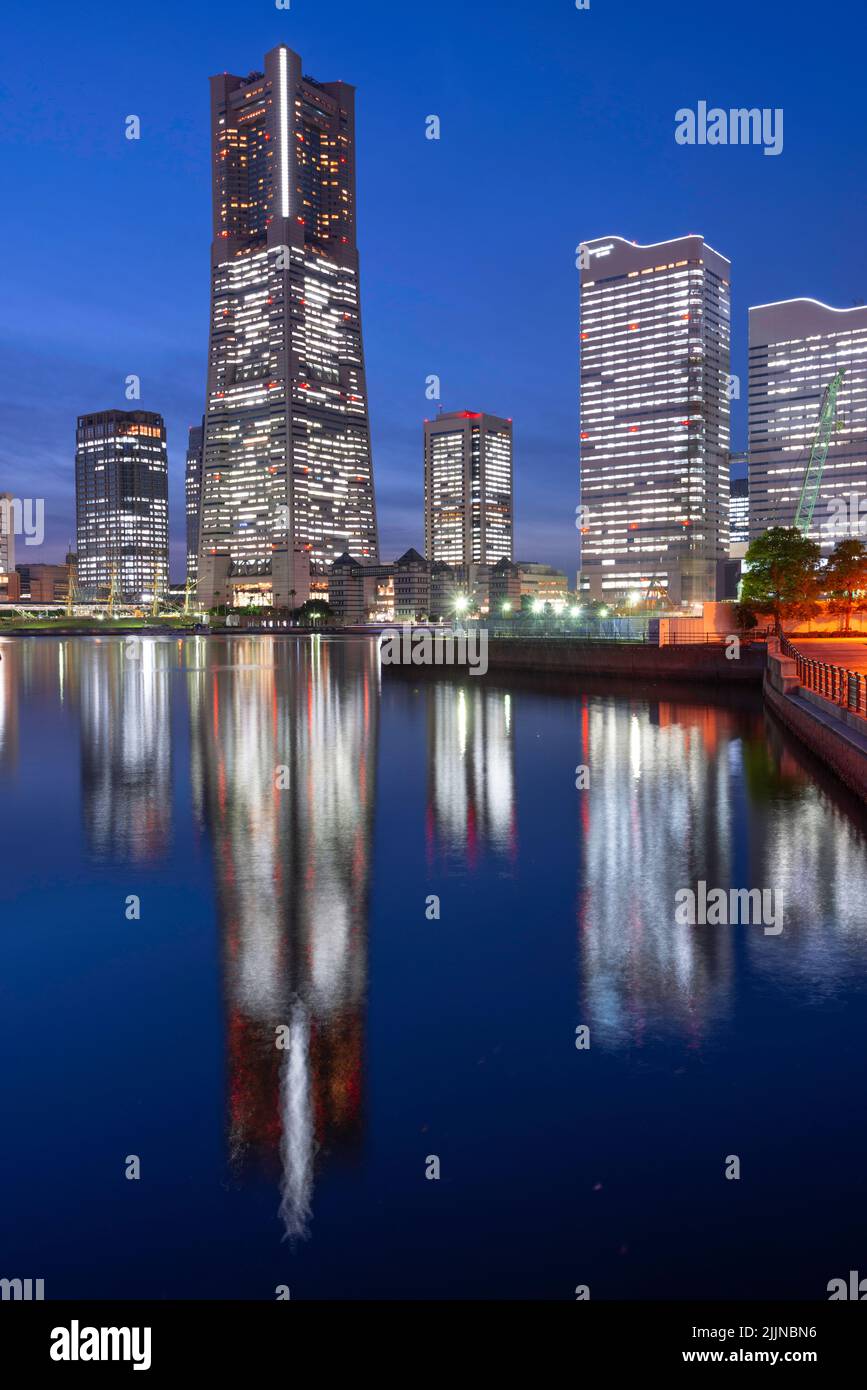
315, 610
845, 579
782, 575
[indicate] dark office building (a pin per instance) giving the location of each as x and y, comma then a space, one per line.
121, 503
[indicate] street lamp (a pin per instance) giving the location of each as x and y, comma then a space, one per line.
462, 603
538, 605
575, 611
507, 607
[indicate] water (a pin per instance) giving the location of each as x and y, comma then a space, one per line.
302, 907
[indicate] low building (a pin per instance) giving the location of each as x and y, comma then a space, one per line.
411, 587
44, 583
451, 584
359, 591
522, 582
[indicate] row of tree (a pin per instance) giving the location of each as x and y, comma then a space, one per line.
786, 579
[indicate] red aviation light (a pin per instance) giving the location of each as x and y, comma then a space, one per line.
684, 316
633, 525
633, 327
584, 434
585, 335
633, 429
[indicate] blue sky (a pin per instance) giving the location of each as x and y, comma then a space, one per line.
557, 125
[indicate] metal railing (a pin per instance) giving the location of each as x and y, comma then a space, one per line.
837, 684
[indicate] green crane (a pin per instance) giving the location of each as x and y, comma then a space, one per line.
818, 454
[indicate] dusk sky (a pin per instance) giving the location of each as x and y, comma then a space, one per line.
557, 125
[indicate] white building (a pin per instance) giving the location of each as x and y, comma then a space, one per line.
468, 488
654, 407
796, 348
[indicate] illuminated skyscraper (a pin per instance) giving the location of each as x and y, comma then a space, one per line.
7, 545
655, 324
468, 488
796, 348
288, 476
121, 503
193, 495
739, 517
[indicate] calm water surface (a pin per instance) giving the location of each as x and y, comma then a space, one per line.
297, 903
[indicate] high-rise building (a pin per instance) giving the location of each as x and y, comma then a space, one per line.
193, 495
796, 348
468, 488
655, 326
121, 503
739, 517
7, 534
287, 465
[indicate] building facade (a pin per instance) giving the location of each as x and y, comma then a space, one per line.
121, 503
193, 495
468, 488
45, 583
739, 517
654, 408
287, 459
796, 348
9, 579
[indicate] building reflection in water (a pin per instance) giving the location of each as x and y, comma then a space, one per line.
682, 792
292, 862
123, 692
9, 654
471, 771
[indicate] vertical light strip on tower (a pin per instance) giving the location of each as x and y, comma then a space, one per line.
284, 137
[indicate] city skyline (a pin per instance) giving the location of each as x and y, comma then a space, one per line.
421, 262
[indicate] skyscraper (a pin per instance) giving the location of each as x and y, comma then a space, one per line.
288, 475
468, 488
739, 517
193, 495
796, 348
121, 503
7, 533
655, 324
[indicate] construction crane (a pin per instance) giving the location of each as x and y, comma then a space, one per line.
113, 591
818, 454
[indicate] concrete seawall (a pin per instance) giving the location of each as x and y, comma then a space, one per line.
834, 734
691, 662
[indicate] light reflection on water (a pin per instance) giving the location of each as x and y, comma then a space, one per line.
281, 744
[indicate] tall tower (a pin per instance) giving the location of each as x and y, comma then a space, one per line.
193, 495
468, 488
796, 348
121, 503
655, 326
288, 477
